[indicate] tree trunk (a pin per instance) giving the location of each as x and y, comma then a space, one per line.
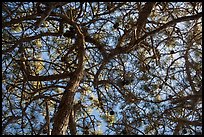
61, 120
72, 123
62, 117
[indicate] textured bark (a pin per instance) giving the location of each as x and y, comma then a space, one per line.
72, 124
143, 15
47, 117
62, 117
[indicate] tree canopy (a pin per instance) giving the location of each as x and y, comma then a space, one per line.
111, 68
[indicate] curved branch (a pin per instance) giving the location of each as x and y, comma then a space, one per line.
134, 43
61, 120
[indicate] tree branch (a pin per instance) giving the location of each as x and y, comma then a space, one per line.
62, 117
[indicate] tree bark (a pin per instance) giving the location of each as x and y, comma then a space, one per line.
72, 123
62, 117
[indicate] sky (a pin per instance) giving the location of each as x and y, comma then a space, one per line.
162, 49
